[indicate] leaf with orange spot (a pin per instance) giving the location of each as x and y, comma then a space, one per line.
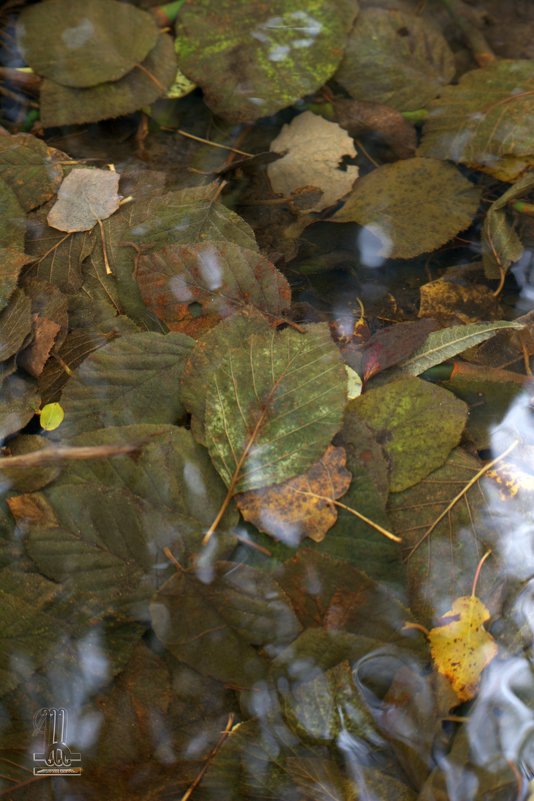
289, 515
462, 648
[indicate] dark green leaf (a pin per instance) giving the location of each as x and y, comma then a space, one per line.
15, 324
29, 167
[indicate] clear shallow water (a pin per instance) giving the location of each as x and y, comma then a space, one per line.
142, 659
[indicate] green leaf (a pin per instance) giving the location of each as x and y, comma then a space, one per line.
12, 219
213, 626
66, 105
30, 168
395, 58
442, 567
206, 356
485, 120
252, 59
15, 324
412, 206
501, 245
273, 406
418, 425
84, 42
134, 379
191, 288
449, 342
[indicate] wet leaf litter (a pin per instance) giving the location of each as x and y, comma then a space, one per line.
265, 369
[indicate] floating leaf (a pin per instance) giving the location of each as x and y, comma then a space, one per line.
442, 566
84, 42
412, 206
501, 245
313, 149
395, 58
290, 511
85, 197
252, 59
214, 625
462, 648
417, 423
449, 342
273, 407
206, 357
65, 105
134, 379
486, 120
29, 167
191, 288
15, 324
51, 416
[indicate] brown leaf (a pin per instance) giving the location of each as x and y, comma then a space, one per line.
34, 357
361, 117
388, 347
286, 514
449, 301
85, 197
32, 508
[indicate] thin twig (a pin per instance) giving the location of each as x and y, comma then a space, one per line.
460, 495
50, 456
208, 141
218, 745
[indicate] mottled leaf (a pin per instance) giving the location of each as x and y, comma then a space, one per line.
485, 120
252, 59
395, 58
84, 42
65, 105
273, 406
418, 424
412, 206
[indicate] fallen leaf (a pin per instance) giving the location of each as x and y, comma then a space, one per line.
12, 220
449, 301
501, 245
485, 120
361, 117
253, 58
51, 416
395, 58
313, 149
288, 515
412, 206
15, 324
192, 288
84, 42
34, 357
11, 264
66, 105
85, 197
30, 168
462, 648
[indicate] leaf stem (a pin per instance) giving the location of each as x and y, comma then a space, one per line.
460, 495
477, 572
218, 745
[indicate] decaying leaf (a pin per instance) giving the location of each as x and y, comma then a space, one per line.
485, 120
455, 301
85, 197
412, 206
30, 168
395, 58
11, 264
253, 58
501, 245
289, 515
273, 405
361, 117
313, 149
85, 42
461, 647
34, 357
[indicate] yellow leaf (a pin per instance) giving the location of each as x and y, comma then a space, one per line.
51, 416
462, 648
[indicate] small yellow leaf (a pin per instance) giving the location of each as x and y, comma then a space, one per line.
462, 648
51, 416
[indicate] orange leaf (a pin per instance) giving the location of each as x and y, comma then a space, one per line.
462, 648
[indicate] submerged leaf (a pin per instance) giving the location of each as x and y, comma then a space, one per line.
291, 511
191, 288
66, 105
395, 58
12, 219
84, 42
462, 648
253, 58
15, 324
28, 166
412, 206
274, 405
485, 120
85, 197
501, 245
313, 149
417, 423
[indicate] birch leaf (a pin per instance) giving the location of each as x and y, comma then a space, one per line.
461, 648
85, 197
